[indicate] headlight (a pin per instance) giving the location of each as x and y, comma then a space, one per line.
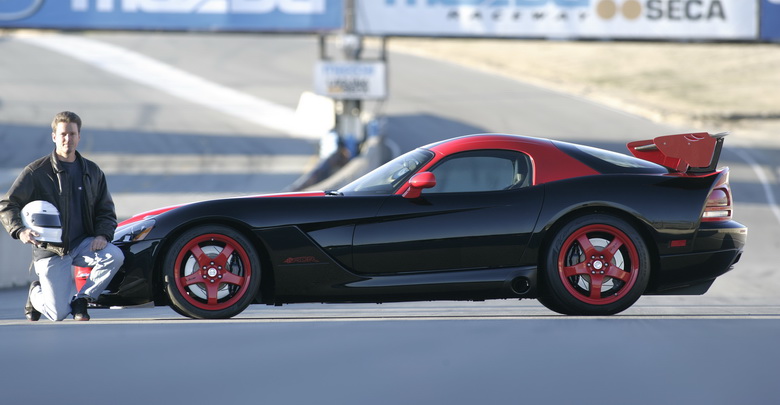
133, 232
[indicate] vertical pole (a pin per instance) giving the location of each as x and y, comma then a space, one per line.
348, 117
349, 16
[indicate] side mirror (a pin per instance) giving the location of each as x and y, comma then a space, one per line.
418, 182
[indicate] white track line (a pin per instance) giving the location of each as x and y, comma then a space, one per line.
765, 183
171, 80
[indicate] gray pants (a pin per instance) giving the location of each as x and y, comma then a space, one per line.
58, 287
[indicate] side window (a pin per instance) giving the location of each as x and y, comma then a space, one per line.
481, 171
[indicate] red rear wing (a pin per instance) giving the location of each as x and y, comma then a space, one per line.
695, 153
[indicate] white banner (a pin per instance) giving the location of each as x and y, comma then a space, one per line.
598, 19
351, 80
175, 15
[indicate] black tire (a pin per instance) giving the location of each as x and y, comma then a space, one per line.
201, 282
596, 265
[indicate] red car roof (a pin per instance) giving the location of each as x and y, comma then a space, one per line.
550, 163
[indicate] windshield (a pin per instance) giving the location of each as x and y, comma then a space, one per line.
388, 177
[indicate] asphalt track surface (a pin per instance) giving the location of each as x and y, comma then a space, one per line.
720, 348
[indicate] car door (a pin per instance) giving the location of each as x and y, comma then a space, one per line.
480, 214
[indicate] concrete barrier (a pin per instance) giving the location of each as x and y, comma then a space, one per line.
372, 155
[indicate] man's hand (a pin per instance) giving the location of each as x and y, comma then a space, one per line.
99, 243
27, 235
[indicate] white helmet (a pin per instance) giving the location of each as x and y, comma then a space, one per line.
43, 218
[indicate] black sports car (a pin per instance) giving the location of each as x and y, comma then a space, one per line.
584, 230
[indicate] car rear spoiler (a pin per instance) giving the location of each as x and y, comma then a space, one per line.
690, 153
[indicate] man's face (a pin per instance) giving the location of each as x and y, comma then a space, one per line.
66, 138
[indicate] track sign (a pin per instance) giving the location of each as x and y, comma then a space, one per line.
351, 80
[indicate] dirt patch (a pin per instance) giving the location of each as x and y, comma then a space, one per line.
735, 86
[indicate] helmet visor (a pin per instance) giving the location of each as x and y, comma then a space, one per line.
46, 220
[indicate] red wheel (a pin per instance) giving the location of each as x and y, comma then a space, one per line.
597, 265
211, 272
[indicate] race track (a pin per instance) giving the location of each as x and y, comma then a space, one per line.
719, 348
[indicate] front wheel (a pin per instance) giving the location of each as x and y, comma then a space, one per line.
596, 265
211, 272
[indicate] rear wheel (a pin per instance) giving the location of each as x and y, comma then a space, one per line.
595, 265
211, 272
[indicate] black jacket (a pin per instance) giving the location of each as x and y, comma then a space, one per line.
46, 179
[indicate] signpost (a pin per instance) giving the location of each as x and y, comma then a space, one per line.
351, 80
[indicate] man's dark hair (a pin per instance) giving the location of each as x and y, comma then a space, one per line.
66, 117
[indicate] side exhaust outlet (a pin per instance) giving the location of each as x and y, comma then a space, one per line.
521, 285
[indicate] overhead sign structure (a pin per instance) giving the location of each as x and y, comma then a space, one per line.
351, 80
175, 15
614, 19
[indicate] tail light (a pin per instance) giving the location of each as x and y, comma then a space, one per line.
719, 206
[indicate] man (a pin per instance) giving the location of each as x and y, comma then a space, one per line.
77, 188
